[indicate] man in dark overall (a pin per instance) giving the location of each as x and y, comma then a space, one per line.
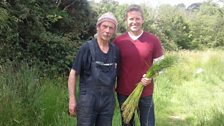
96, 64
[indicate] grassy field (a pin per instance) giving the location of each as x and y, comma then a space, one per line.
192, 92
189, 94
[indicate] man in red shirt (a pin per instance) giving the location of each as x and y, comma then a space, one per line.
138, 51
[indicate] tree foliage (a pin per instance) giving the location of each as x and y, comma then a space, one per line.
48, 33
43, 32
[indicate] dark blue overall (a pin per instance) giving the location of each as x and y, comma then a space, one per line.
96, 102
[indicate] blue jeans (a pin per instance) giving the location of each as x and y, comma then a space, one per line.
145, 110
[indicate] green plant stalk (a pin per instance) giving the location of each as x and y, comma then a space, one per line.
131, 103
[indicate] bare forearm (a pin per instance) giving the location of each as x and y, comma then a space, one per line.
71, 90
72, 84
158, 59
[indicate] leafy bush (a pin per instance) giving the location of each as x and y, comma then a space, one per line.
43, 32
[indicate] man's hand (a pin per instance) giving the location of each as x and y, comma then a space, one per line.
146, 81
72, 107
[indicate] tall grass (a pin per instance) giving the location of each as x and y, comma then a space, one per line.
26, 99
192, 92
189, 94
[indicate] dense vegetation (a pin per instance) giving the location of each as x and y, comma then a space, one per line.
39, 39
48, 33
43, 32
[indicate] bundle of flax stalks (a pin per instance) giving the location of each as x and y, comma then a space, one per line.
131, 103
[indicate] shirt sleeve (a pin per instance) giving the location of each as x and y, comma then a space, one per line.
158, 49
82, 60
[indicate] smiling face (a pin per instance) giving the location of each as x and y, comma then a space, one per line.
134, 21
105, 30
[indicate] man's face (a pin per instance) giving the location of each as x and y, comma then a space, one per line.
134, 20
105, 30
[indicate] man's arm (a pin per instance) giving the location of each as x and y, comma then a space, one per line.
146, 81
158, 59
71, 89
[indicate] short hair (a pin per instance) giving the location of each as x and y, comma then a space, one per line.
134, 7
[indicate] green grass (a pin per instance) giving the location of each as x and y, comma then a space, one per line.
184, 96
26, 99
189, 94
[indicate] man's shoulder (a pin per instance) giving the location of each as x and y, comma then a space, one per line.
120, 38
151, 36
87, 43
85, 47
